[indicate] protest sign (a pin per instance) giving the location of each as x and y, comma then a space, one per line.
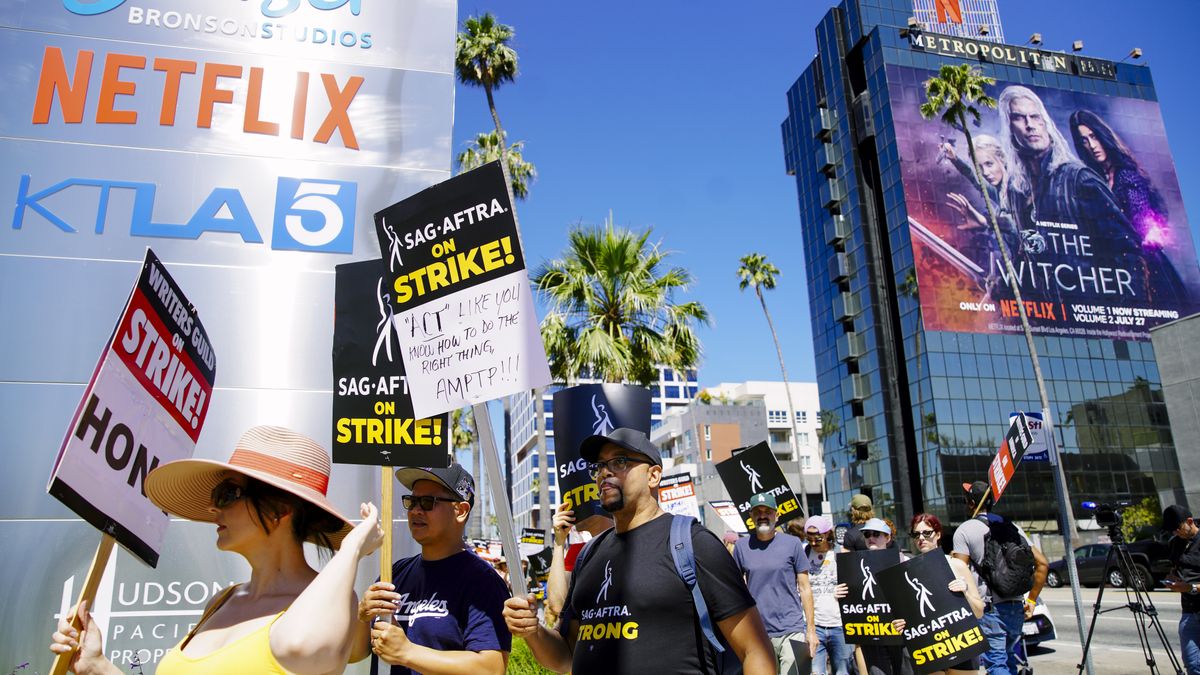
373, 421
753, 470
940, 628
728, 512
532, 541
460, 294
1039, 449
539, 563
677, 494
866, 613
144, 405
582, 411
1012, 450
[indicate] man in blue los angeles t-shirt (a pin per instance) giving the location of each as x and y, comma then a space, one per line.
776, 571
446, 603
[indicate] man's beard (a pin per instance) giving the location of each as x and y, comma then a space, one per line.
764, 528
616, 505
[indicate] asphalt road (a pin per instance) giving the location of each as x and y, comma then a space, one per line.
1115, 647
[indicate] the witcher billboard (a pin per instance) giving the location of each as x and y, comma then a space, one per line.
1084, 190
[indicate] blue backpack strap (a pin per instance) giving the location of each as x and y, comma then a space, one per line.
685, 564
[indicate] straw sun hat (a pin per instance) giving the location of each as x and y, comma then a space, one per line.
276, 456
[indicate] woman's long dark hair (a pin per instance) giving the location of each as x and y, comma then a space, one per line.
309, 522
1118, 153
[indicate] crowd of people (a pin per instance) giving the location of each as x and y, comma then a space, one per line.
649, 592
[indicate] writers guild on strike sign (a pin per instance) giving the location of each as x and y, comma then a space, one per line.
866, 610
373, 420
940, 629
144, 405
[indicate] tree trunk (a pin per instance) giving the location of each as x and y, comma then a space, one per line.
791, 414
1047, 424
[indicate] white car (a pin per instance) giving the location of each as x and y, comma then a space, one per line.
1039, 627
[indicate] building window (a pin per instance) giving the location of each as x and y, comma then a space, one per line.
806, 462
671, 391
668, 375
803, 416
708, 432
777, 417
708, 454
687, 439
802, 439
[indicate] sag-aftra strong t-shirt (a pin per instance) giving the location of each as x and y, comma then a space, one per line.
636, 615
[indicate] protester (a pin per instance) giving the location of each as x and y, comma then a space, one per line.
926, 533
822, 576
776, 571
457, 596
879, 659
1004, 615
266, 501
1185, 579
623, 610
861, 510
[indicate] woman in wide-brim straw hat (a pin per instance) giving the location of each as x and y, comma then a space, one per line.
266, 501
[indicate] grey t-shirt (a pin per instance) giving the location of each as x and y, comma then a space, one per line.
968, 539
771, 568
822, 576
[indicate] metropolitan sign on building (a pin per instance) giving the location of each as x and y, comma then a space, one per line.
248, 142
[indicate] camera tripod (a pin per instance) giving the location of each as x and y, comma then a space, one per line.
1137, 600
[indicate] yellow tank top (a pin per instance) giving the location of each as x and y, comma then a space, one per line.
249, 654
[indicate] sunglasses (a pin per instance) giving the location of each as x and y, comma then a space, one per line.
816, 538
926, 534
873, 534
615, 465
427, 502
227, 493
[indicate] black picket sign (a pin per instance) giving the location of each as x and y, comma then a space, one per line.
582, 411
753, 470
372, 410
940, 629
866, 612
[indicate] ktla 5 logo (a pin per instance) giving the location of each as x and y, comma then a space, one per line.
270, 8
310, 214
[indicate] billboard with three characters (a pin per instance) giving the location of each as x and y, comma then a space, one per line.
1085, 194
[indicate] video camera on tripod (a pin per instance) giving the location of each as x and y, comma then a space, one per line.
1108, 514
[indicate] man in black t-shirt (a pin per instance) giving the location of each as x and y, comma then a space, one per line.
1185, 579
627, 610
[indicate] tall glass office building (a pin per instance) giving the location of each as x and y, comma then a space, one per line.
920, 354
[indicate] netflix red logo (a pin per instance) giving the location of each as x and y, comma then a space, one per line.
948, 11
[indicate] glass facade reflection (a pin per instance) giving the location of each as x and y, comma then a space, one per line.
916, 412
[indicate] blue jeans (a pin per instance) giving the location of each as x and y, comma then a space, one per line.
831, 644
1001, 625
1189, 641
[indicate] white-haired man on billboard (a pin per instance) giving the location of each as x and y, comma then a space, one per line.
1049, 188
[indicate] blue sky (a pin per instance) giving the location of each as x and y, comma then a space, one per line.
668, 114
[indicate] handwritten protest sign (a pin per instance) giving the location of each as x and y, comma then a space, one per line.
373, 420
753, 470
585, 410
677, 494
940, 629
728, 512
866, 612
145, 405
460, 294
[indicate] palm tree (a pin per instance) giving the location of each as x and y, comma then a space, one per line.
953, 95
612, 308
757, 272
486, 149
483, 58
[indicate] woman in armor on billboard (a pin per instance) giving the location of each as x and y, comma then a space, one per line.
266, 501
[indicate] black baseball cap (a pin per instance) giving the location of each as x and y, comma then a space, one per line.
976, 490
454, 478
1174, 516
630, 439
